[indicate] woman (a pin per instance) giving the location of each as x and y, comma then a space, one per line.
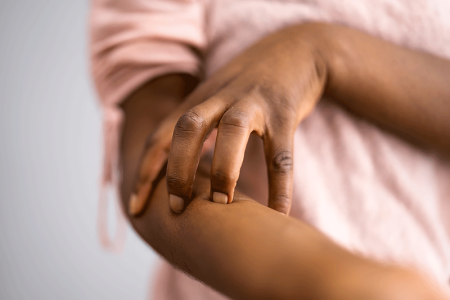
356, 183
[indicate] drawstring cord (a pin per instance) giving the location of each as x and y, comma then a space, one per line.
110, 180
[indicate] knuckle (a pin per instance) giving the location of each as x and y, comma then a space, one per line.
279, 97
282, 162
190, 122
280, 124
177, 183
150, 141
235, 118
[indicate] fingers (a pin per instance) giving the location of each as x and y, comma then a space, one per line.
234, 130
189, 134
155, 156
157, 150
279, 157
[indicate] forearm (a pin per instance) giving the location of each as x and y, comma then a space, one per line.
239, 249
243, 249
248, 251
404, 90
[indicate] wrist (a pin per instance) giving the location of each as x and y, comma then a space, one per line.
320, 43
331, 49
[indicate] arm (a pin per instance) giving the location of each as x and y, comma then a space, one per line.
248, 251
405, 90
276, 83
244, 249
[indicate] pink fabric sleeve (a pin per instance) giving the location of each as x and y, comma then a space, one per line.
131, 42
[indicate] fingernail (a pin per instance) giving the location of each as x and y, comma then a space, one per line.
133, 207
220, 198
176, 203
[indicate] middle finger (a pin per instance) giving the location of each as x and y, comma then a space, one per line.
233, 133
189, 134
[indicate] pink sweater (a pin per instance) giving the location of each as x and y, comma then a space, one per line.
366, 189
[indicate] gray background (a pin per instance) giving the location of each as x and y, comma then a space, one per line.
50, 159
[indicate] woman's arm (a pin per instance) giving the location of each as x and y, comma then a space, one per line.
244, 250
407, 91
274, 84
248, 251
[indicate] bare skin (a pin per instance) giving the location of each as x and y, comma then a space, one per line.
274, 85
248, 251
243, 248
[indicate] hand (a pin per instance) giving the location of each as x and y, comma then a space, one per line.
267, 90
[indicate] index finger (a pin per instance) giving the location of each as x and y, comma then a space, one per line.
157, 149
152, 161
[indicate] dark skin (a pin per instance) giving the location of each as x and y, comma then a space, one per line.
201, 241
274, 85
248, 251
